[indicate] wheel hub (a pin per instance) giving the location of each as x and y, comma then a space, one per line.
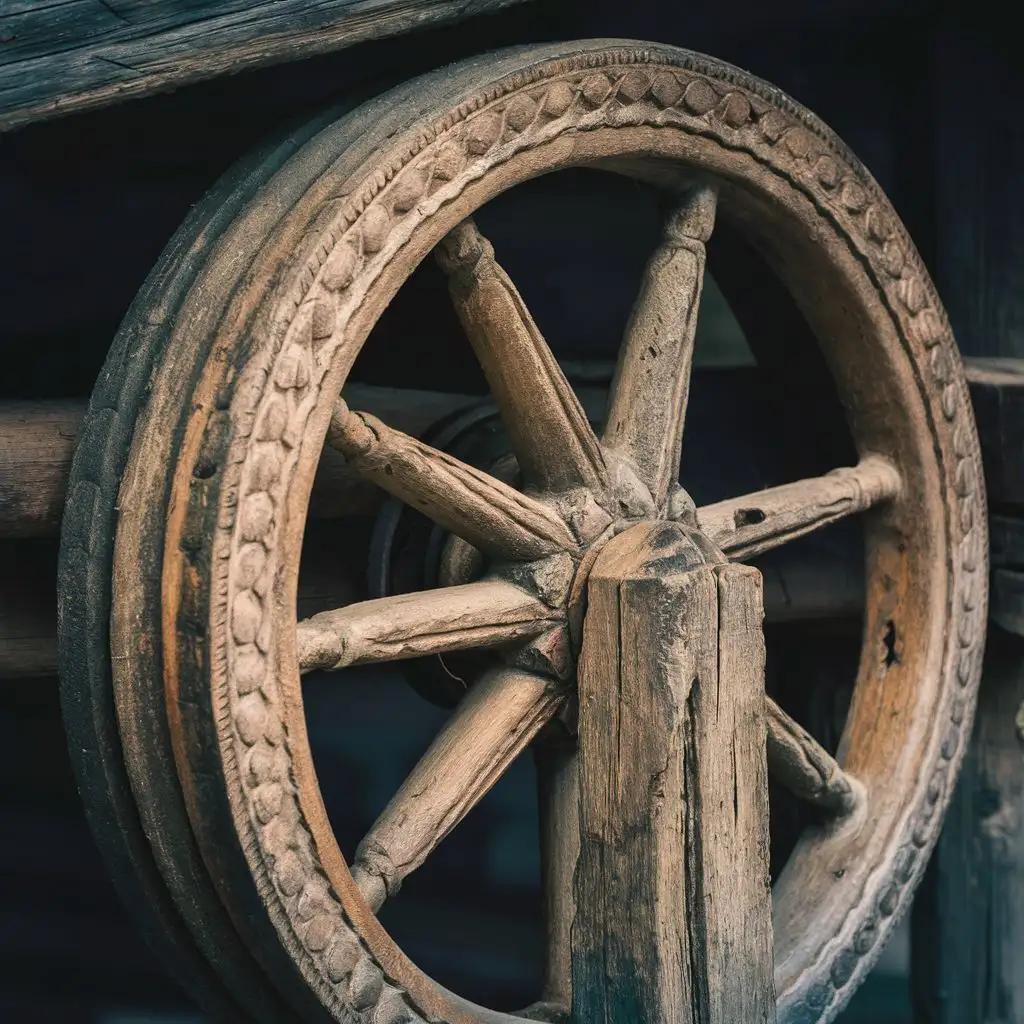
409, 547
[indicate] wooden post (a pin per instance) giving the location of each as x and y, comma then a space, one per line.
673, 918
968, 924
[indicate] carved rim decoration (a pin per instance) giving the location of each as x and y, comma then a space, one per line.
245, 392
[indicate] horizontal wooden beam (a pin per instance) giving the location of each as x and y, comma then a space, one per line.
997, 392
332, 575
37, 443
63, 56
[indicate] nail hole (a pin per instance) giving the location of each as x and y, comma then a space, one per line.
204, 469
889, 643
748, 517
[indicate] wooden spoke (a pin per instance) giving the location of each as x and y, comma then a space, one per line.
495, 721
799, 762
492, 516
652, 381
550, 433
483, 614
747, 526
558, 798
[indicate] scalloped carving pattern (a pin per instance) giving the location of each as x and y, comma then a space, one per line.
610, 88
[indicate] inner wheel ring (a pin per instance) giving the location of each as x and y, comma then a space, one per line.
251, 440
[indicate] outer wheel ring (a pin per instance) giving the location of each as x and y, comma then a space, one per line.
649, 110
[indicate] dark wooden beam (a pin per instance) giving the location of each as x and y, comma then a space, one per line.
63, 56
968, 924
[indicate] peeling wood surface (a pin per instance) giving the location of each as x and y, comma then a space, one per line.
672, 879
63, 56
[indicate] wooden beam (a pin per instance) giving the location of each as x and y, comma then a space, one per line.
673, 905
997, 393
332, 575
63, 56
37, 444
968, 923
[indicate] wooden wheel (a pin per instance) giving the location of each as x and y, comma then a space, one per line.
227, 433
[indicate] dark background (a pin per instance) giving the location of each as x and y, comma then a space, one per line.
86, 205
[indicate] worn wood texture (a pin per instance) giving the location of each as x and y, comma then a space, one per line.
61, 57
558, 801
968, 924
997, 392
748, 526
37, 442
367, 217
483, 614
969, 917
551, 437
492, 725
491, 515
801, 764
672, 887
651, 386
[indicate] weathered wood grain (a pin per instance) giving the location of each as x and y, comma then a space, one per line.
558, 801
479, 508
484, 614
61, 57
652, 380
496, 720
37, 442
551, 436
749, 525
799, 762
968, 927
672, 882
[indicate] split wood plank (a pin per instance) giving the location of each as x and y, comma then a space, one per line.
673, 903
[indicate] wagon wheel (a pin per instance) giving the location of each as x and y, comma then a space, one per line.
245, 391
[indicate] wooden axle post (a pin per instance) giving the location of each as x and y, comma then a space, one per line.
673, 918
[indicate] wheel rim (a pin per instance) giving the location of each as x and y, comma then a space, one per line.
887, 341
